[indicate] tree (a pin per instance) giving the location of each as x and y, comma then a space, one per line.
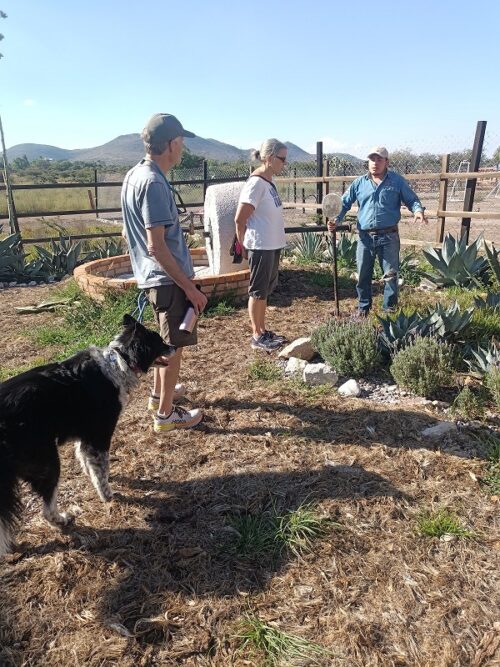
496, 157
190, 160
3, 15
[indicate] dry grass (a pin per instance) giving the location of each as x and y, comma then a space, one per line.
152, 578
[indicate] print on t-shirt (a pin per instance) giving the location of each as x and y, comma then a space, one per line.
276, 197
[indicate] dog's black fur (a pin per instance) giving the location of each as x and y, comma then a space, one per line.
77, 399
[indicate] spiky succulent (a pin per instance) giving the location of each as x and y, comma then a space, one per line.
456, 263
483, 360
448, 323
398, 332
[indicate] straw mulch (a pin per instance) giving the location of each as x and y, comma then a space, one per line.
149, 579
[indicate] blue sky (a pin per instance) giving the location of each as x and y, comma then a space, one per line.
353, 74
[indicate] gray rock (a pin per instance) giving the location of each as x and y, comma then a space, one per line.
13, 284
440, 430
32, 283
317, 374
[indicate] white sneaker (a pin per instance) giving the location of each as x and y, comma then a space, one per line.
178, 418
154, 401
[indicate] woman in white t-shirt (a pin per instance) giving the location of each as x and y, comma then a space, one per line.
260, 228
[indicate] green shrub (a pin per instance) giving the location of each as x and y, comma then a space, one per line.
350, 348
470, 404
492, 382
423, 366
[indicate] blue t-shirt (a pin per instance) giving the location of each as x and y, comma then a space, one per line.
147, 201
379, 205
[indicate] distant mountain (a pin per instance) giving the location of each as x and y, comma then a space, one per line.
128, 149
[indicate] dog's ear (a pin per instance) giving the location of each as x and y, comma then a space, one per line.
128, 320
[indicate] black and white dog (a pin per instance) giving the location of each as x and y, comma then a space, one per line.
77, 399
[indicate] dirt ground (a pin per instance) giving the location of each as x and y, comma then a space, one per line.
148, 579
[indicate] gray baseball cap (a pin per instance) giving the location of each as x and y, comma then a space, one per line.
164, 127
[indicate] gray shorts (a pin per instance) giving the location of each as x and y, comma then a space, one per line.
169, 305
263, 272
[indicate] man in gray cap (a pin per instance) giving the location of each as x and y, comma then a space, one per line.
161, 261
379, 194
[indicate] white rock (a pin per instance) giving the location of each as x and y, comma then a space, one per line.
295, 365
12, 284
32, 283
440, 405
300, 348
439, 430
349, 388
317, 374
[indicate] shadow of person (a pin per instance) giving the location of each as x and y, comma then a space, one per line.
189, 547
394, 426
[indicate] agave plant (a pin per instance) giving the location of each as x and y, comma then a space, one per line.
493, 261
456, 263
61, 259
11, 258
308, 248
409, 269
110, 248
483, 360
492, 301
398, 332
346, 250
448, 323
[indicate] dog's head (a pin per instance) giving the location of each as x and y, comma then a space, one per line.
142, 347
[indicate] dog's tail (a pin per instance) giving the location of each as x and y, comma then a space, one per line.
10, 504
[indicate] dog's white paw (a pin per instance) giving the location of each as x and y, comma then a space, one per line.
60, 520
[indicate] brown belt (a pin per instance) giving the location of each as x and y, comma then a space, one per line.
377, 232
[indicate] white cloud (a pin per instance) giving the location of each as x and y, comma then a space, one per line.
29, 103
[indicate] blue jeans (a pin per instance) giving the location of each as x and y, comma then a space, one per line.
386, 248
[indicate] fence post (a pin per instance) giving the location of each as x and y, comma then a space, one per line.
303, 199
470, 188
295, 185
13, 222
96, 194
205, 178
443, 197
326, 172
319, 172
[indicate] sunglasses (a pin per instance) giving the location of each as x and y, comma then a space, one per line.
283, 159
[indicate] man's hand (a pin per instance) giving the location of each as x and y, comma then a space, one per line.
331, 224
197, 298
420, 218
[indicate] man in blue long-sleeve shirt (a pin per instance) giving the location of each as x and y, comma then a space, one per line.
379, 195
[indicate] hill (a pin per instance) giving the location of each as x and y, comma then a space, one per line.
128, 149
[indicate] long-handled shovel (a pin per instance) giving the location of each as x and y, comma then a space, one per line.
332, 205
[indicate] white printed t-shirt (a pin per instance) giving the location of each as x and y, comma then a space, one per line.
266, 226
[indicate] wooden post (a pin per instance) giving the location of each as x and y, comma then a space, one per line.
13, 222
470, 187
295, 185
443, 197
319, 172
326, 171
96, 194
303, 199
